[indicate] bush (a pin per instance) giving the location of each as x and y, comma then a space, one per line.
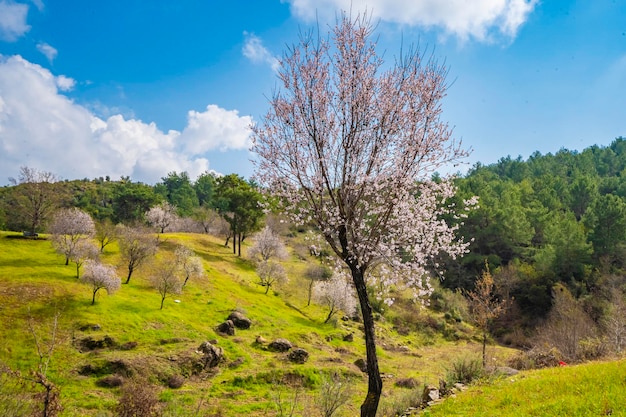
139, 399
464, 371
398, 404
536, 358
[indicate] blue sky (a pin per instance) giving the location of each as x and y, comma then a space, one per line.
142, 88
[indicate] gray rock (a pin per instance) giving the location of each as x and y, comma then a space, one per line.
280, 345
298, 355
211, 355
239, 320
228, 328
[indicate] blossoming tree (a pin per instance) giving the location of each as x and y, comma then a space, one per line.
351, 145
69, 227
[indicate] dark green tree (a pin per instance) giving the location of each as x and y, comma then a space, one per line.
132, 200
205, 189
238, 203
179, 192
606, 220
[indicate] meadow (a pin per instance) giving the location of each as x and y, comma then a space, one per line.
155, 346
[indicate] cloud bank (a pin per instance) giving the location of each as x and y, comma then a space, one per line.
476, 19
40, 127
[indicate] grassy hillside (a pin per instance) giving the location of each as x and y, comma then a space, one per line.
157, 345
594, 389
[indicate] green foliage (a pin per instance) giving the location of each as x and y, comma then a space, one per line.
179, 192
131, 201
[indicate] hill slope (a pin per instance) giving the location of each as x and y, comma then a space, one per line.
134, 339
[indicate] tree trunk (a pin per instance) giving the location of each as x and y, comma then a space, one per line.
162, 301
374, 382
239, 245
484, 349
130, 272
67, 260
93, 299
308, 303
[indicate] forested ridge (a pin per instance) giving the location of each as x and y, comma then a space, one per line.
550, 219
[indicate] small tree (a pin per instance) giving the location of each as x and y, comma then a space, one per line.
69, 226
208, 218
85, 250
50, 398
334, 393
136, 247
315, 274
267, 245
36, 197
336, 294
161, 216
165, 280
271, 273
190, 265
106, 233
100, 276
614, 322
484, 306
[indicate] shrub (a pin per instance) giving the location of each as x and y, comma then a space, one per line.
138, 399
536, 358
465, 371
398, 403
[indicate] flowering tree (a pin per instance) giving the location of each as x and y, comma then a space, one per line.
267, 245
165, 279
267, 249
84, 251
100, 276
336, 294
270, 273
189, 264
68, 228
351, 146
161, 216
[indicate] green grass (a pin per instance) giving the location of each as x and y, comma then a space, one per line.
35, 283
594, 389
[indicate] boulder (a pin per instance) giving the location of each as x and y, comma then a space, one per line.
227, 328
298, 355
361, 364
430, 394
280, 345
239, 320
211, 355
349, 337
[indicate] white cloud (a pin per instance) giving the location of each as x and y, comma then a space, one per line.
477, 19
42, 128
38, 4
13, 20
49, 51
254, 50
216, 128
